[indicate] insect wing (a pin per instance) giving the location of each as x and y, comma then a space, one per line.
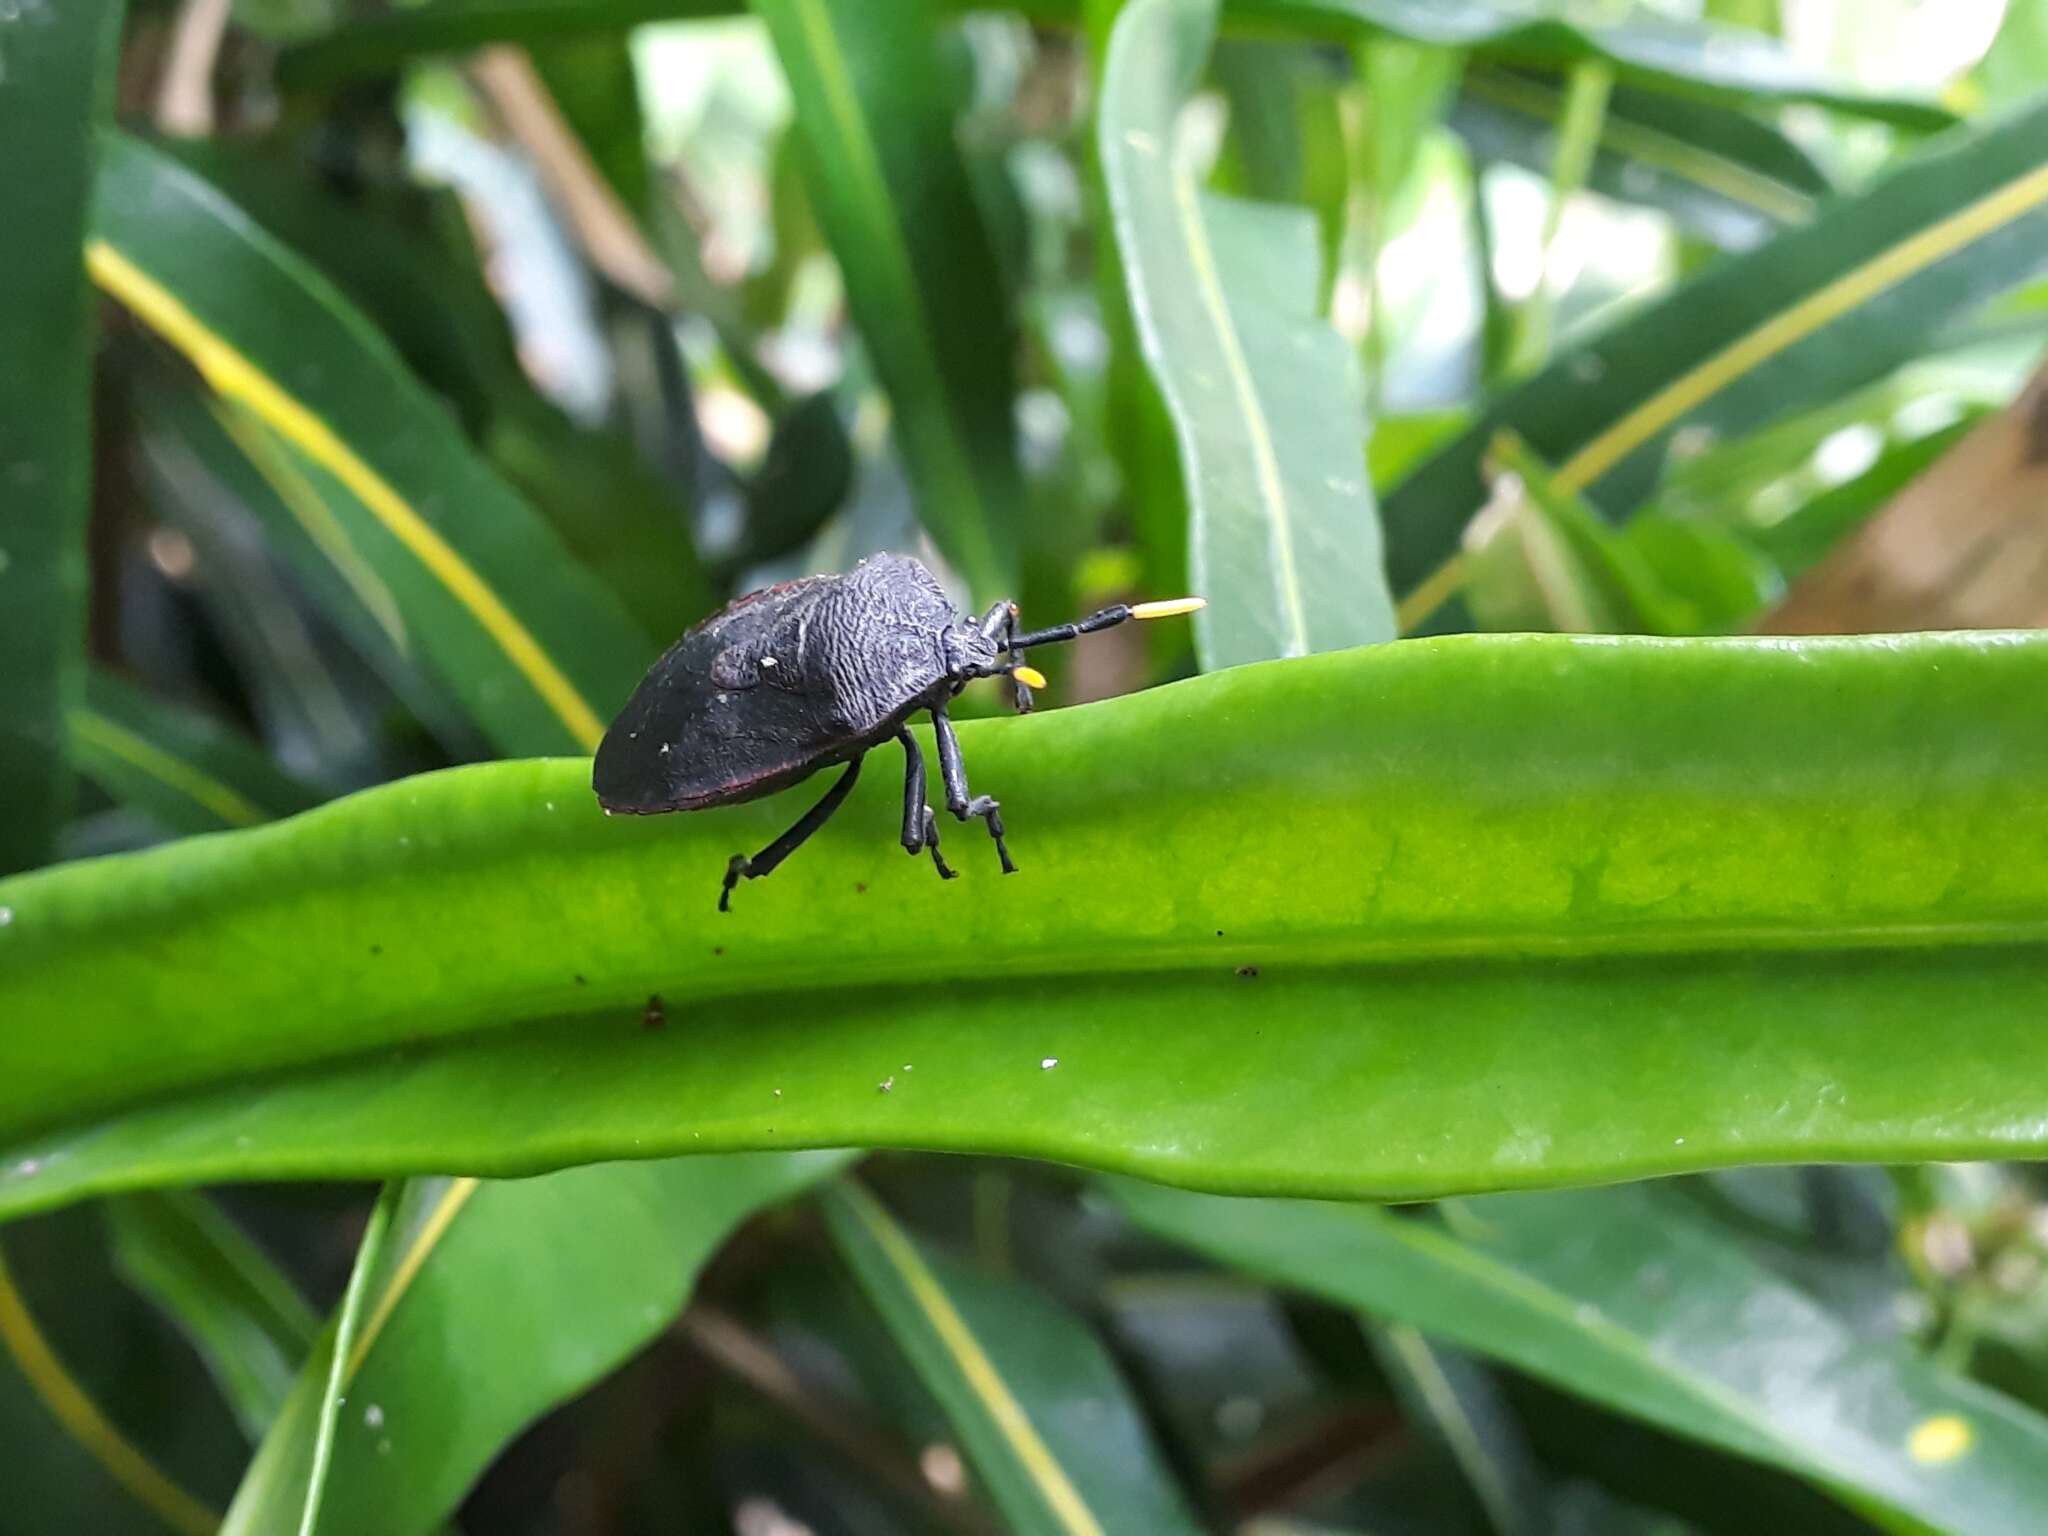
706, 727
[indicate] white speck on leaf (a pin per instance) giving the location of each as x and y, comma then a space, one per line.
6, 916
885, 1084
374, 1416
1048, 1064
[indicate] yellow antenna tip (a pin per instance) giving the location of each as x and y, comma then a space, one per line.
1030, 677
1166, 608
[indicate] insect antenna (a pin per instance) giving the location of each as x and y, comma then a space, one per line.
1106, 618
1023, 679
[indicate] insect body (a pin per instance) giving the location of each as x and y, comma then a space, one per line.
811, 673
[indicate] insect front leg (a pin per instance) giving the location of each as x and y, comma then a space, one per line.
920, 826
954, 772
744, 868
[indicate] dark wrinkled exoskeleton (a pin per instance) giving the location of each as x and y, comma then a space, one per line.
799, 676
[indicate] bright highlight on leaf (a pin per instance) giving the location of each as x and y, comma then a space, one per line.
1939, 1439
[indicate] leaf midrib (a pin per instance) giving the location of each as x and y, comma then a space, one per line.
1265, 458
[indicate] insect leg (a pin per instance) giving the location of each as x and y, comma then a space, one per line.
744, 868
920, 826
1020, 693
954, 772
999, 618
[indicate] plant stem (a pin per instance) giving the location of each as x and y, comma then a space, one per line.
1578, 140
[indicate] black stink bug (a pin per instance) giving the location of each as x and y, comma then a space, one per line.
805, 674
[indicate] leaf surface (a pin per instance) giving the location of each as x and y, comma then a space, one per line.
1516, 910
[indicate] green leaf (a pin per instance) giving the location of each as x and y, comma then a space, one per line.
95, 1441
393, 255
883, 170
309, 1493
592, 82
1704, 895
243, 1317
1450, 1399
2016, 64
533, 646
1720, 172
1628, 1296
1040, 1410
1799, 541
58, 76
397, 255
1807, 317
1556, 566
1287, 142
210, 460
1265, 397
187, 772
473, 1330
1720, 62
1407, 87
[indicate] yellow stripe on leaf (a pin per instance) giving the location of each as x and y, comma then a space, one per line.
71, 1406
1703, 168
97, 731
1789, 327
983, 1379
300, 498
407, 1269
1779, 334
236, 378
1265, 456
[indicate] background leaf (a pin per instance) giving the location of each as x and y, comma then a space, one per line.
1036, 1402
1686, 1331
186, 772
1720, 172
246, 1321
90, 1440
1814, 313
1283, 541
1722, 61
560, 1315
886, 180
533, 646
59, 77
